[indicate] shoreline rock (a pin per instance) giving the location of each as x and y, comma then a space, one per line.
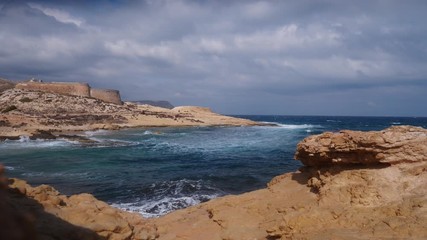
391, 146
375, 198
54, 216
323, 200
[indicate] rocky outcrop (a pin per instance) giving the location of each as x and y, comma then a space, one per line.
323, 200
393, 145
162, 104
43, 213
24, 112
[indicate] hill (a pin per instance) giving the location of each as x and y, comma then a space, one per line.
162, 104
27, 112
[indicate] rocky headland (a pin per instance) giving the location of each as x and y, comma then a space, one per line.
354, 185
48, 110
162, 104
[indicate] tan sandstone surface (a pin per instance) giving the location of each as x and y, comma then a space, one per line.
36, 113
376, 198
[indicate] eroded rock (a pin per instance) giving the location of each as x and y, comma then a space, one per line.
82, 216
362, 196
393, 145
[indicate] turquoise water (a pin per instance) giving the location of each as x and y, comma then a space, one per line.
157, 170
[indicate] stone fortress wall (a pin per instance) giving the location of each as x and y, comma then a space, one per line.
106, 95
74, 89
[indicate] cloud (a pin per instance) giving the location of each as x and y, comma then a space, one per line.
59, 15
287, 57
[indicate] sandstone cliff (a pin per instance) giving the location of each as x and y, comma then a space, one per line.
376, 198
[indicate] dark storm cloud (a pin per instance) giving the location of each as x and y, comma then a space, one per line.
281, 57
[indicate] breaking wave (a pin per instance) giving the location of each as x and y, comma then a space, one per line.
161, 198
25, 142
295, 126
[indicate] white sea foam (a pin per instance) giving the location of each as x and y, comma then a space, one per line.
25, 142
396, 123
55, 174
330, 120
168, 196
24, 139
165, 205
295, 126
148, 132
9, 168
111, 142
97, 132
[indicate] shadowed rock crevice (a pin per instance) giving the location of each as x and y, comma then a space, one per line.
43, 213
24, 218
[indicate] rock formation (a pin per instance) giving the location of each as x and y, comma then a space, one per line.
384, 198
393, 145
326, 199
162, 104
42, 213
26, 113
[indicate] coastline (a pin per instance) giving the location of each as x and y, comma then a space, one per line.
354, 185
46, 115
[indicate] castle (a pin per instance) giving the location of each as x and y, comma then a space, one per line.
74, 89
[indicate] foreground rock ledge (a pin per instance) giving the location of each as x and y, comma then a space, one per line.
392, 145
360, 196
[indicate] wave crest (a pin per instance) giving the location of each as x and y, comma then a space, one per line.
164, 197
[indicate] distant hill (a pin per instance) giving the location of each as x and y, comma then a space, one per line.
163, 104
6, 84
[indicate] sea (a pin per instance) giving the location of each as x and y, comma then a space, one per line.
154, 171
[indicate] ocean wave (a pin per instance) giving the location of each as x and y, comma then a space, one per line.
148, 132
396, 123
24, 139
111, 142
168, 196
96, 132
25, 142
165, 205
9, 168
295, 126
57, 174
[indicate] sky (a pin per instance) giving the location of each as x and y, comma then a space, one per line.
364, 58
